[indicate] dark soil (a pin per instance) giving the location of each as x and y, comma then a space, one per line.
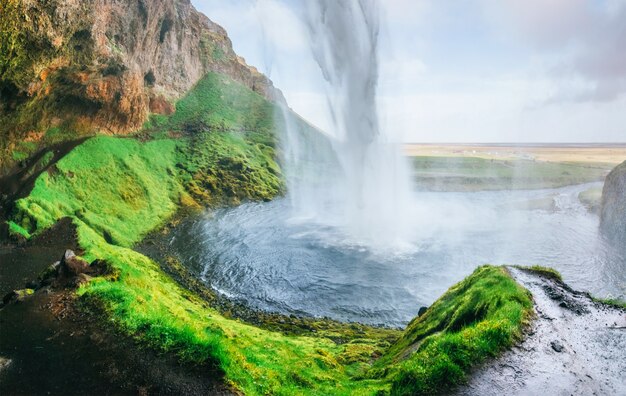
55, 349
51, 344
21, 264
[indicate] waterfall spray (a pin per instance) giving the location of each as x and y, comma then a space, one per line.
368, 194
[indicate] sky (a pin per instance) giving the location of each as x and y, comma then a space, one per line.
459, 70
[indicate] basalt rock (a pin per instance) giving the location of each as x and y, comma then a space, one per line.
71, 265
613, 207
422, 311
102, 65
16, 296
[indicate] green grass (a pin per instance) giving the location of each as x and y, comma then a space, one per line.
612, 302
116, 190
544, 271
468, 173
218, 103
474, 320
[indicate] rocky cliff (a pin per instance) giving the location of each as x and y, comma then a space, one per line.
613, 210
77, 67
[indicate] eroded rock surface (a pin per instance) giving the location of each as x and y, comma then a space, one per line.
574, 346
613, 207
103, 65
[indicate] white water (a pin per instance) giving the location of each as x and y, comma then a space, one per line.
366, 193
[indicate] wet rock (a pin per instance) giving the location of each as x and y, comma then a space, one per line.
565, 299
422, 311
49, 274
33, 284
4, 363
17, 296
71, 265
557, 346
613, 206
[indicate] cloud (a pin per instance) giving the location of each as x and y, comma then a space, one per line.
584, 41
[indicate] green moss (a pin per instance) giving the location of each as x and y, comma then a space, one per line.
611, 301
472, 321
17, 230
19, 155
118, 187
219, 103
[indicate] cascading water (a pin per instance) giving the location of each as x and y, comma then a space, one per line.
368, 198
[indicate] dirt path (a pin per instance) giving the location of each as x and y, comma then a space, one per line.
574, 347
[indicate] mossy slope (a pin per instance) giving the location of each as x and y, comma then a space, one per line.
218, 148
475, 319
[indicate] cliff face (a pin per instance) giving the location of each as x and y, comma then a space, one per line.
613, 210
71, 67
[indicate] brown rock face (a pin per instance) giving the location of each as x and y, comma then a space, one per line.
72, 265
613, 209
102, 65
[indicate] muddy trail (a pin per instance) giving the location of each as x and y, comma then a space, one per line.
575, 346
51, 345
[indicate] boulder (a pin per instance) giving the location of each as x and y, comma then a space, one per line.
17, 296
71, 265
557, 346
613, 206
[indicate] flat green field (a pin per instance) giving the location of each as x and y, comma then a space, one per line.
437, 173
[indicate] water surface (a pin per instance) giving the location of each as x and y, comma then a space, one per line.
273, 259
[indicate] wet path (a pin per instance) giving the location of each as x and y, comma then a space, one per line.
575, 347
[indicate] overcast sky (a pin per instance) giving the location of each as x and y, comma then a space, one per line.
460, 70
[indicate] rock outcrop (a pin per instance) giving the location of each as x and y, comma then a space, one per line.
613, 208
86, 66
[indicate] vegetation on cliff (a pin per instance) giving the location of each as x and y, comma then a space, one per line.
73, 68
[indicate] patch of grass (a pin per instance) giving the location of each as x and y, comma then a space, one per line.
547, 272
611, 301
119, 188
474, 320
17, 230
220, 104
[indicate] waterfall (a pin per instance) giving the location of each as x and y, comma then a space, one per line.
366, 191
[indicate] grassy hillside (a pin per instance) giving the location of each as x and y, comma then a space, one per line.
219, 148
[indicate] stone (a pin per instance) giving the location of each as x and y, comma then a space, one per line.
4, 363
17, 296
422, 311
557, 346
72, 265
613, 206
47, 275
